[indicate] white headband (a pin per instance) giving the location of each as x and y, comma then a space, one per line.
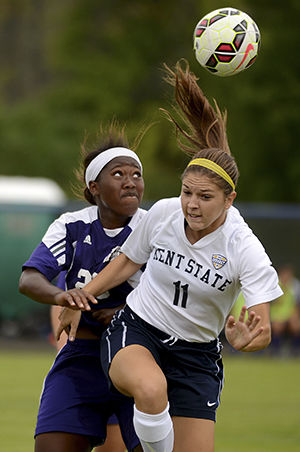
99, 162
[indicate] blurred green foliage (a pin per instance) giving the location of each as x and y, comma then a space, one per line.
67, 66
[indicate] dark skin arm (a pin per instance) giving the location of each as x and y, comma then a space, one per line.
36, 286
69, 320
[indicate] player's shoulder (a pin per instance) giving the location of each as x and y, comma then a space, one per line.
136, 218
166, 207
139, 213
235, 226
85, 215
238, 232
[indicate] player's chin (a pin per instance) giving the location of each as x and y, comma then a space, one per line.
130, 204
196, 226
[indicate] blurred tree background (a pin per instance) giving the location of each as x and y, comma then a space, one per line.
68, 65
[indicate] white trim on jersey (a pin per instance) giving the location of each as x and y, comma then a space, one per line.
55, 237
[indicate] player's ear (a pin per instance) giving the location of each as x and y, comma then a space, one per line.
229, 199
94, 188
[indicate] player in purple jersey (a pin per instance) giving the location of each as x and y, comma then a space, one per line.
76, 402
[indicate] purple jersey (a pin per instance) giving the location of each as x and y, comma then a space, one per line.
77, 246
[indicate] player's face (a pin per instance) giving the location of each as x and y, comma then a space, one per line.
204, 205
118, 191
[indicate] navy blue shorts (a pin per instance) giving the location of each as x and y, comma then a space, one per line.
76, 397
194, 371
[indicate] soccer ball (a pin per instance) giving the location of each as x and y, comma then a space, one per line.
226, 41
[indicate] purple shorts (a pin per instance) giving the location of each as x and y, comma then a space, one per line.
76, 397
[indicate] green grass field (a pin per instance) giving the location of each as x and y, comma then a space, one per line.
260, 410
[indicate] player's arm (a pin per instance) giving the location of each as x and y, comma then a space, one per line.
36, 286
54, 317
263, 339
251, 334
115, 273
69, 322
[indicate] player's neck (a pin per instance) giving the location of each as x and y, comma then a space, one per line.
110, 220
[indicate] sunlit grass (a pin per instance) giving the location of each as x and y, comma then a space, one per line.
259, 410
260, 405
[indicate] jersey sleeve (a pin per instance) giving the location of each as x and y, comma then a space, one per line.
258, 278
138, 246
54, 253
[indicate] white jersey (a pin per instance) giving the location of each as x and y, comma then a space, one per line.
188, 290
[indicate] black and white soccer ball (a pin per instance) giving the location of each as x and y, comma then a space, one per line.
226, 41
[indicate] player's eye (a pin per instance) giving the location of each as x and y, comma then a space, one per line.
137, 174
117, 173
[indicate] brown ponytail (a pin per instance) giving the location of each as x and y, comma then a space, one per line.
204, 132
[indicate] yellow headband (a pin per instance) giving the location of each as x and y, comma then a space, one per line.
213, 167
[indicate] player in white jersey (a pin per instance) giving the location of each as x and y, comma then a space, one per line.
163, 347
76, 404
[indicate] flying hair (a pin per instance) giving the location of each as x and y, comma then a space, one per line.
205, 124
203, 134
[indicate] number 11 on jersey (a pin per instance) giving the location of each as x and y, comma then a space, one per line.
178, 288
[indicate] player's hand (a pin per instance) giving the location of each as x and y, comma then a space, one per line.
69, 321
105, 315
75, 299
240, 333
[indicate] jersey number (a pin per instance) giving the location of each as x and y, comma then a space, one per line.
86, 277
178, 288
